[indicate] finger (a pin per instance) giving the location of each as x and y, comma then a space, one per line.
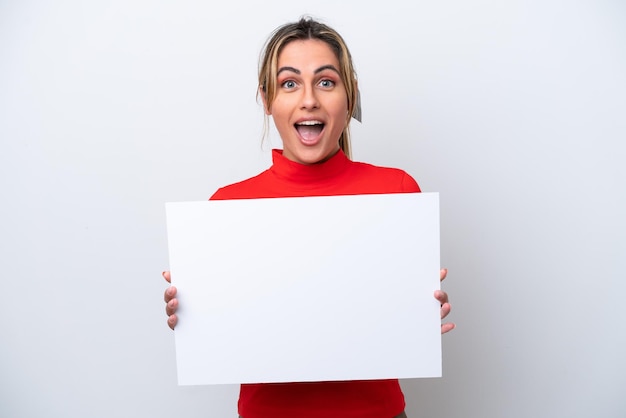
447, 327
167, 276
169, 294
173, 320
442, 274
441, 296
445, 310
171, 307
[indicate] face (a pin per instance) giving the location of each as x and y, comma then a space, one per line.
310, 108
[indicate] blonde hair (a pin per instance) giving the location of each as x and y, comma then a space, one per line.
304, 29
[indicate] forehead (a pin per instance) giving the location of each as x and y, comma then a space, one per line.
309, 52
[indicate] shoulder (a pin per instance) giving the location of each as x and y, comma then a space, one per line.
245, 189
395, 178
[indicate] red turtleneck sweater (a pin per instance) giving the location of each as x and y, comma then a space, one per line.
349, 399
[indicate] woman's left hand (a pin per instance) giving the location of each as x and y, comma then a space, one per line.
442, 297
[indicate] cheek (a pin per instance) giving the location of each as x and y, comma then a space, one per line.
340, 102
280, 111
340, 110
277, 113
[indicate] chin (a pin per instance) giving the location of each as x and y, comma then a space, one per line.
310, 156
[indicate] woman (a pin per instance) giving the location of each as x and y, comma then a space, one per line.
308, 85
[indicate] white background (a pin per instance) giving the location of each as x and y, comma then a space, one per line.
515, 112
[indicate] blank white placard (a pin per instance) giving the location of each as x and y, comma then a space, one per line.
306, 289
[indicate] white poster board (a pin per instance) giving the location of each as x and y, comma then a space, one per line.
306, 289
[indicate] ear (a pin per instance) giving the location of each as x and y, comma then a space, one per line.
265, 107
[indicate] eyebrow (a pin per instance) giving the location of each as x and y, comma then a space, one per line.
319, 70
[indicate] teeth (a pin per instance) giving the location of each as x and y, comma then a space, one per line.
310, 122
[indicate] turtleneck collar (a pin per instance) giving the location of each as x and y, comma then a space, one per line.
289, 170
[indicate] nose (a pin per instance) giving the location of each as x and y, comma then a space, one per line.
309, 98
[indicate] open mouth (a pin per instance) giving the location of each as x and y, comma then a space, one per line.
309, 129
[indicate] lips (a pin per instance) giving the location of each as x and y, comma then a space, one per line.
309, 130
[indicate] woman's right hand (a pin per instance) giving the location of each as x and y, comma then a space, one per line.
171, 303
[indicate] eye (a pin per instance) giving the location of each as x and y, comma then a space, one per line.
289, 84
326, 83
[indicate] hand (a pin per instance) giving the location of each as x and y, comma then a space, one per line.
171, 303
442, 297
